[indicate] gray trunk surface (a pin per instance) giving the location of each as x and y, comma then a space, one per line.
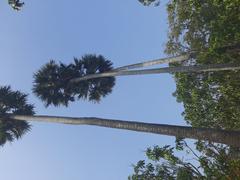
214, 135
200, 68
179, 58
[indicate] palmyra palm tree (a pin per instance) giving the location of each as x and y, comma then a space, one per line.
15, 112
51, 82
58, 84
209, 134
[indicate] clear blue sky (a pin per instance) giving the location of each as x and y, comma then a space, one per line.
125, 32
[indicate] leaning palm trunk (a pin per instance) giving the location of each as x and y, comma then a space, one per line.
213, 135
144, 64
172, 59
200, 68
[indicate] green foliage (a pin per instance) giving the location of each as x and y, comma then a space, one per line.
163, 164
218, 161
52, 82
210, 28
13, 102
211, 161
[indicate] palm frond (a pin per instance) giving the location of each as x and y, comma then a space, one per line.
13, 102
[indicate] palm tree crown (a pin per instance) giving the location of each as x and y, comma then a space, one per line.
13, 102
93, 89
52, 83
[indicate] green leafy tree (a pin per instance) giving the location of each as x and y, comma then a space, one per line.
14, 103
209, 27
209, 161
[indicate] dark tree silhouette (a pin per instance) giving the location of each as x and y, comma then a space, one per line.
50, 84
53, 85
92, 77
14, 103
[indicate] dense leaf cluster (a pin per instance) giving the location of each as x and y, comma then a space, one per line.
52, 83
211, 28
211, 161
13, 102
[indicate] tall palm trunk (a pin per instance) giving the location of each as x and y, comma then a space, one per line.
172, 59
144, 64
200, 68
214, 135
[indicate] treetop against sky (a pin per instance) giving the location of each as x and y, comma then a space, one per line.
126, 32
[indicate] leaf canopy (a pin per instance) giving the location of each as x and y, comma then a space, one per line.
211, 28
209, 161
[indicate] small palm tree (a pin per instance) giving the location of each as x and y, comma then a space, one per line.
51, 82
14, 103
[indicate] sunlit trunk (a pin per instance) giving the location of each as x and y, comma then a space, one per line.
213, 135
200, 68
154, 62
